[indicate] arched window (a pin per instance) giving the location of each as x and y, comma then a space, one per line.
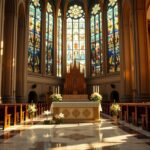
59, 44
49, 40
76, 37
113, 52
96, 41
34, 52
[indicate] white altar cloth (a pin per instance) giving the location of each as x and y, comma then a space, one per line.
76, 104
77, 111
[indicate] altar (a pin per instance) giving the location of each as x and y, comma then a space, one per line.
77, 111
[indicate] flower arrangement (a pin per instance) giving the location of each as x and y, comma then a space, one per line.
31, 110
59, 118
96, 97
115, 109
48, 116
56, 97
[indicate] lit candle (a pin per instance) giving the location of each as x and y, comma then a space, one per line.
1, 49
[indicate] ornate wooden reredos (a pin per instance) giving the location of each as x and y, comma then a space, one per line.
75, 82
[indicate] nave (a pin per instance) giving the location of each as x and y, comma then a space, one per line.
80, 136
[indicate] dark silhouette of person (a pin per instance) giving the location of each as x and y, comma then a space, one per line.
114, 96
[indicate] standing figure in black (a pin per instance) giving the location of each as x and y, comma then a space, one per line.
114, 96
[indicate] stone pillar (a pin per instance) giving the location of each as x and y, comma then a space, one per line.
26, 51
87, 40
8, 77
127, 52
142, 66
43, 31
20, 56
2, 4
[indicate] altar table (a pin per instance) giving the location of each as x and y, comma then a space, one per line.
77, 111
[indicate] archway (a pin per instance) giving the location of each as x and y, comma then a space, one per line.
20, 59
32, 97
128, 52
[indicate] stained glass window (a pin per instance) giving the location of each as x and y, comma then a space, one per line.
76, 37
96, 41
59, 44
113, 52
34, 53
49, 40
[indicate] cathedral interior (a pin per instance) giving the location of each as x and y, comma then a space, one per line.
76, 48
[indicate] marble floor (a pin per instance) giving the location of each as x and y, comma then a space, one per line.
80, 136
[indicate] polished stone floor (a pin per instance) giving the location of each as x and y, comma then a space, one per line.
84, 136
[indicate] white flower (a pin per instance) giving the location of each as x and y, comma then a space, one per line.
47, 112
61, 115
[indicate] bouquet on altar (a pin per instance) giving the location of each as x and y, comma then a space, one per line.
56, 97
96, 97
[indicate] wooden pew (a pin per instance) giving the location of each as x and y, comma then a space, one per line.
4, 116
138, 112
12, 109
141, 112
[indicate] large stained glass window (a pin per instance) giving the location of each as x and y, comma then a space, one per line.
34, 53
59, 44
96, 41
113, 52
49, 40
76, 37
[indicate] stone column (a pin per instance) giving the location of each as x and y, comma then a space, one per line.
26, 51
8, 78
142, 66
87, 40
43, 31
2, 4
20, 56
127, 52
